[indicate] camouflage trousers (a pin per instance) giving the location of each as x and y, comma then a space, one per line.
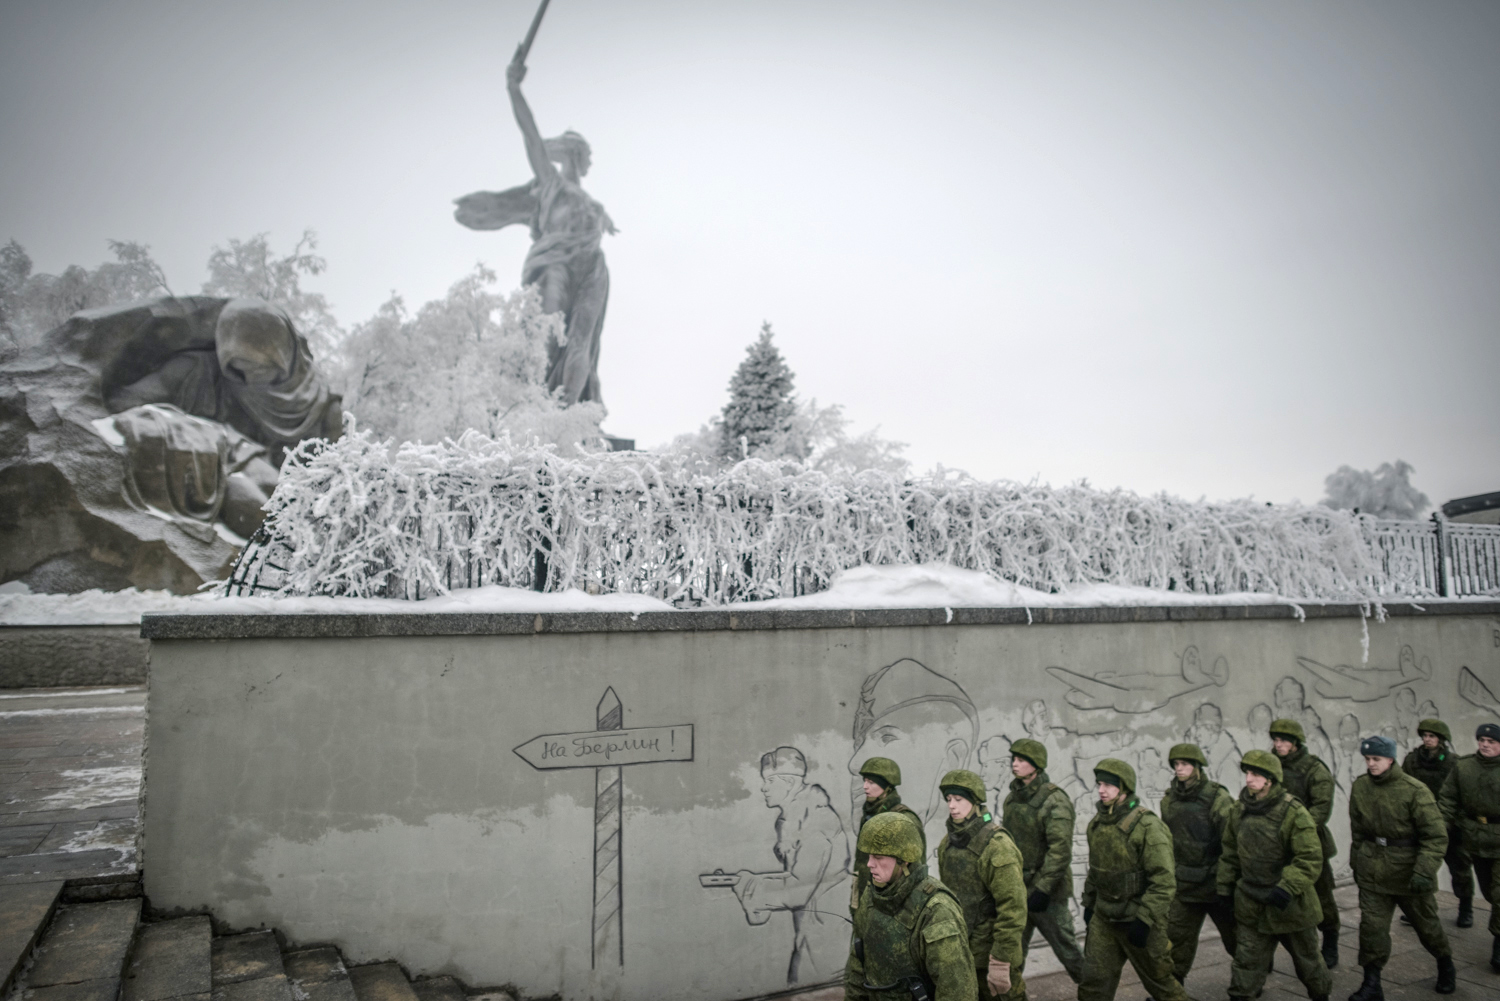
1487, 873
1105, 952
1375, 910
1460, 868
1253, 950
1056, 926
1324, 886
1184, 922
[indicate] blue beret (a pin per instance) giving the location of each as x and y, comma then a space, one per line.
1378, 747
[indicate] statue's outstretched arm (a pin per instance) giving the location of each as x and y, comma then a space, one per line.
536, 152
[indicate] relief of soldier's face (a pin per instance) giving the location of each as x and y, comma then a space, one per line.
778, 788
927, 740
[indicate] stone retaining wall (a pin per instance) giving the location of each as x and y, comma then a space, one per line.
71, 656
457, 792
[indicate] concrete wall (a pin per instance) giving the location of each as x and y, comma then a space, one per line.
52, 656
373, 781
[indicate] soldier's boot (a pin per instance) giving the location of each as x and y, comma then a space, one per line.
1330, 947
1465, 912
1370, 990
1447, 978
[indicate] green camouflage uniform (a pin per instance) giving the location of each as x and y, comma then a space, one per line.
980, 863
1399, 841
1127, 894
1040, 817
1470, 800
909, 933
1431, 768
1271, 843
887, 802
1196, 813
1308, 778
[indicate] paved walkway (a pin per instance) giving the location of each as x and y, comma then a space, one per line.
1408, 977
70, 783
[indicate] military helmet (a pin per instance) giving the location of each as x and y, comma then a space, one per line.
894, 834
1435, 726
1116, 773
1288, 728
1264, 762
884, 769
963, 782
1032, 750
1187, 752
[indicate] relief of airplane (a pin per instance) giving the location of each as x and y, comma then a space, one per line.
1139, 693
1476, 692
1367, 683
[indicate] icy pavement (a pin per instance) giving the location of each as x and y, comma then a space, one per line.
70, 783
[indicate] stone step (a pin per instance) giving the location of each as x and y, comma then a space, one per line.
381, 982
318, 974
439, 989
248, 968
171, 959
82, 954
25, 910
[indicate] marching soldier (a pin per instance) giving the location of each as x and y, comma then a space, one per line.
1127, 893
1431, 763
910, 942
1399, 843
1196, 810
1040, 817
882, 776
1272, 857
1471, 800
981, 864
1307, 777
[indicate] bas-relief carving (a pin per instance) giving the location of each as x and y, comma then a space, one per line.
132, 437
813, 850
929, 723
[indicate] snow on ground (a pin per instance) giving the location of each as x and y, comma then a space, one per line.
95, 787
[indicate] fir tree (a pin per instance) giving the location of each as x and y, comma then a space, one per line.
760, 414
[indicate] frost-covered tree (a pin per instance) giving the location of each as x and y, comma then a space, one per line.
824, 432
474, 359
760, 417
250, 268
1385, 493
32, 304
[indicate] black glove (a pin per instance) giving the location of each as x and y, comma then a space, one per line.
1138, 932
1088, 915
1038, 901
1225, 903
1279, 898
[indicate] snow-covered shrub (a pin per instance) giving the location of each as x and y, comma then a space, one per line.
365, 517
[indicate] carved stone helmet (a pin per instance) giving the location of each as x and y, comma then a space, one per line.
1264, 762
1289, 729
893, 834
883, 770
962, 782
1033, 751
1187, 752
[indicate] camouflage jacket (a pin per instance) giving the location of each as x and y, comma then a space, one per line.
1269, 842
1398, 832
1040, 817
981, 864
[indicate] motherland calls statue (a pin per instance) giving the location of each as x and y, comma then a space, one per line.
138, 443
567, 227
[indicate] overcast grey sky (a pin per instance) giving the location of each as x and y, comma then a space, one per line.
1210, 248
